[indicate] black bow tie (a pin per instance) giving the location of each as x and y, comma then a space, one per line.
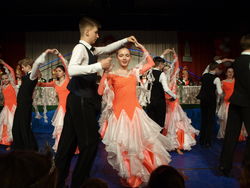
92, 49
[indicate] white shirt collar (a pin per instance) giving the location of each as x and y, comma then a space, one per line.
218, 61
86, 44
155, 68
212, 72
245, 53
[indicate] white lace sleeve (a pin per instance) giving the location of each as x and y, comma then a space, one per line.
107, 103
136, 70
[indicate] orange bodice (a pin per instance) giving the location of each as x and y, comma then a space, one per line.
228, 88
62, 93
125, 98
9, 95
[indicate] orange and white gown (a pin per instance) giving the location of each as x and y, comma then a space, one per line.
7, 115
9, 108
57, 120
62, 94
228, 88
177, 124
133, 141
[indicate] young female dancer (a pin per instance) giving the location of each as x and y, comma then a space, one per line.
60, 85
177, 125
133, 141
228, 88
8, 86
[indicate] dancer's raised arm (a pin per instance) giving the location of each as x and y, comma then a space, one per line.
12, 72
150, 63
64, 63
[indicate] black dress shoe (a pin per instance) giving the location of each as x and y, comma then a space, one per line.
224, 171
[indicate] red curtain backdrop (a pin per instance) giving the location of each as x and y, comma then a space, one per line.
201, 50
204, 46
12, 47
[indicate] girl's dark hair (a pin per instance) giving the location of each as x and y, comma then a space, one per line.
60, 67
230, 67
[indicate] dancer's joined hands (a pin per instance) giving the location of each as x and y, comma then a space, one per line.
52, 51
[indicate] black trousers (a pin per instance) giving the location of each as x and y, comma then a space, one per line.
236, 116
23, 137
207, 122
79, 129
157, 112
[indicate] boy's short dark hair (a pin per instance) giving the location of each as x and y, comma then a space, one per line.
158, 60
245, 42
26, 61
87, 22
213, 66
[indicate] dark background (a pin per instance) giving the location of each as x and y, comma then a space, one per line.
205, 24
180, 15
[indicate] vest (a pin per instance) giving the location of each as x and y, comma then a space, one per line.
25, 92
157, 92
85, 85
208, 89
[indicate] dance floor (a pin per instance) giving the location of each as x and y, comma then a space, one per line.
198, 165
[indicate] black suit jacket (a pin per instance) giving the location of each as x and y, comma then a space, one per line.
241, 94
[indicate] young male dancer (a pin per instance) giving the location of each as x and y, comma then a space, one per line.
80, 122
156, 110
23, 138
239, 109
210, 83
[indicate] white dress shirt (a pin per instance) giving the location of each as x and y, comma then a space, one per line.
35, 67
78, 64
245, 53
217, 82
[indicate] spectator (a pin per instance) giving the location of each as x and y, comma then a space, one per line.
166, 177
24, 169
